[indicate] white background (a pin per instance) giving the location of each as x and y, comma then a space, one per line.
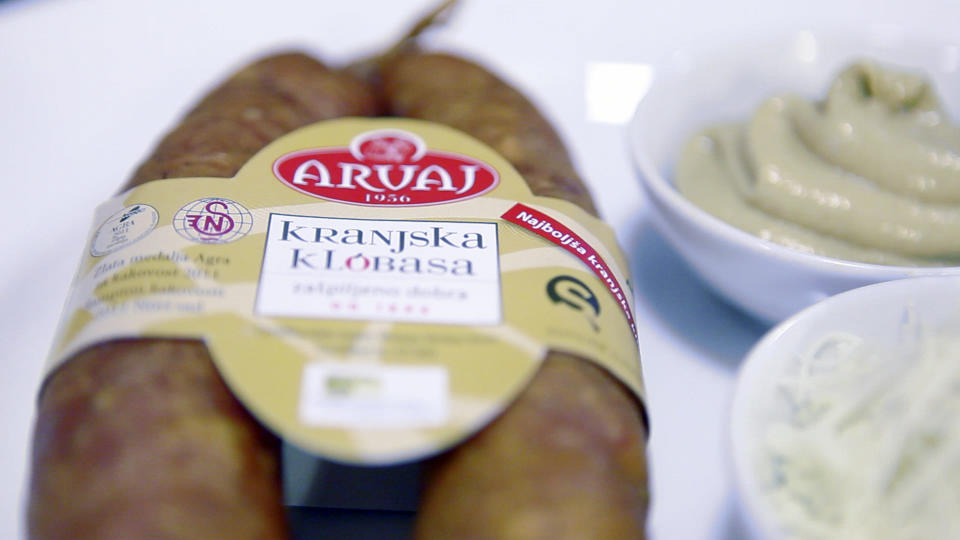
87, 86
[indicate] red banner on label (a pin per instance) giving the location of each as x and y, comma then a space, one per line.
543, 225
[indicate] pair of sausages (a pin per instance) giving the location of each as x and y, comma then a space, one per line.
141, 438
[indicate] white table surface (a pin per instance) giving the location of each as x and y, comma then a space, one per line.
87, 86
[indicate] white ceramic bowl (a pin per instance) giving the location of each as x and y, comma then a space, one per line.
888, 317
693, 89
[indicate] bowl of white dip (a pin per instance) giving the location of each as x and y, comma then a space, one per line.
844, 418
788, 169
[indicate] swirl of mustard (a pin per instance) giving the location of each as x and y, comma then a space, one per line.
871, 173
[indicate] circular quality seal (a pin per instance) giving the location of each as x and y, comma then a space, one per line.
213, 221
124, 228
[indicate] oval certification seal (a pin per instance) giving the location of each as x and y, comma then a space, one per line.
213, 220
124, 228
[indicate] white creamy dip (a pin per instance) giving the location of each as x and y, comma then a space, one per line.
869, 447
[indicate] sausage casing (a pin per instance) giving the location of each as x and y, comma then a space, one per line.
568, 458
140, 438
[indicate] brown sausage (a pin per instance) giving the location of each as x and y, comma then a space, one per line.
568, 458
140, 439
